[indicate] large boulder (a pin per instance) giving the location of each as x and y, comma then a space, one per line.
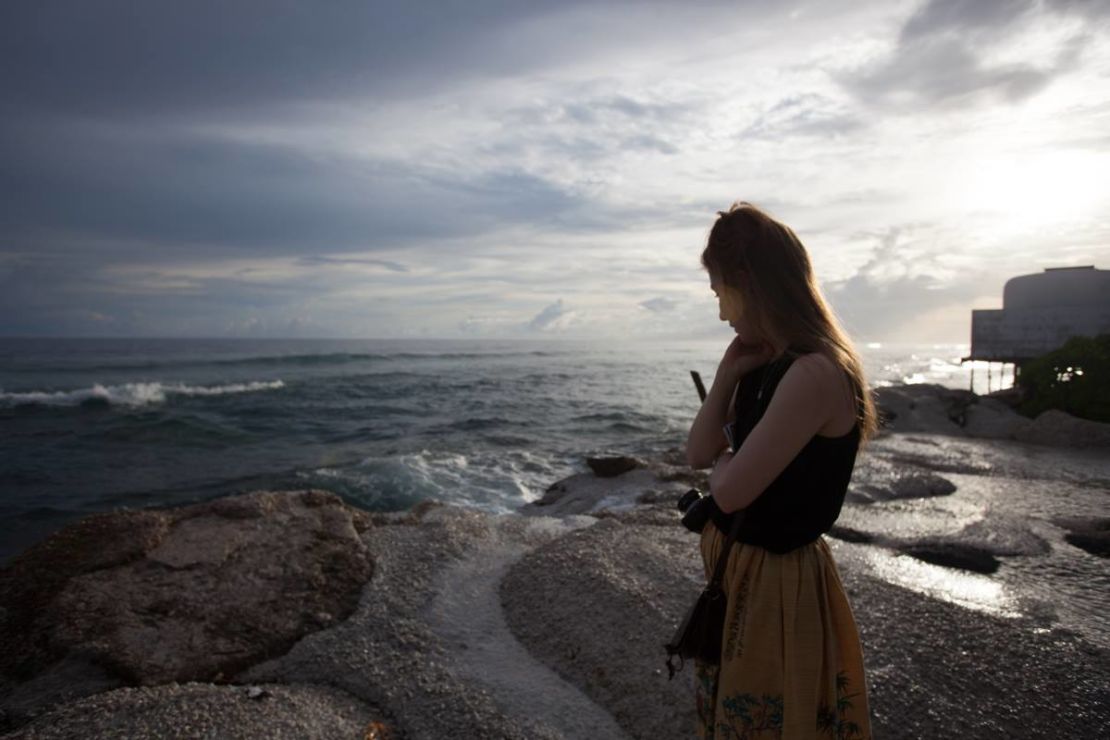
588, 493
611, 595
994, 419
182, 594
923, 407
929, 407
876, 479
1061, 429
610, 467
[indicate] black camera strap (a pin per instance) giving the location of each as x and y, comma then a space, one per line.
722, 559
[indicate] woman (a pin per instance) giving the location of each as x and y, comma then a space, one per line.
793, 390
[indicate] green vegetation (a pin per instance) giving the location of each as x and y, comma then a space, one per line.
1074, 378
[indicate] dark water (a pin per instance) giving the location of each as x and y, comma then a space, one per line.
94, 424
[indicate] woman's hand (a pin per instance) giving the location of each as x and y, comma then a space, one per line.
742, 357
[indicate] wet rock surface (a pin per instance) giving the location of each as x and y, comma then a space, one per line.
609, 467
847, 534
1091, 535
938, 670
876, 479
953, 554
586, 493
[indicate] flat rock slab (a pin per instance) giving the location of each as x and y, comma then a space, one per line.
180, 594
597, 606
467, 617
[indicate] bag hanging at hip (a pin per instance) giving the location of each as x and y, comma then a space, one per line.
699, 635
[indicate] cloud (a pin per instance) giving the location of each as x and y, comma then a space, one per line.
904, 280
161, 57
317, 259
962, 52
553, 317
168, 59
659, 305
1089, 9
184, 192
807, 114
939, 16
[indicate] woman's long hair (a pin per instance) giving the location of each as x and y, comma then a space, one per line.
764, 261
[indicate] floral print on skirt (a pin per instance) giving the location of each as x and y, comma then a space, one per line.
791, 662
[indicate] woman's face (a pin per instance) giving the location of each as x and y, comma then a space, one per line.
731, 305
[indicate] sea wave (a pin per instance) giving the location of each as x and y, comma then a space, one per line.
303, 359
494, 479
131, 394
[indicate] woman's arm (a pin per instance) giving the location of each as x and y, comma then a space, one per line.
799, 407
707, 437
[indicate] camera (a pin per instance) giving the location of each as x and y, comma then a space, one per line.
696, 509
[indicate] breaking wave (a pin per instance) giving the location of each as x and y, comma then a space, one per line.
131, 394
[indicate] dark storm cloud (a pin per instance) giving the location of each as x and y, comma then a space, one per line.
159, 55
938, 59
104, 106
183, 191
939, 16
103, 109
1093, 9
105, 103
78, 293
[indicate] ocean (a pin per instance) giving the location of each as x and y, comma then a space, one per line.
90, 425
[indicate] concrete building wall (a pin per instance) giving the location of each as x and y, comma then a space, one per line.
1079, 287
1040, 312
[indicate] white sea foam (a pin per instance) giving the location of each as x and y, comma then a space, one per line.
498, 481
132, 394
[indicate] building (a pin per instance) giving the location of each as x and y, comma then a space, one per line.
1039, 313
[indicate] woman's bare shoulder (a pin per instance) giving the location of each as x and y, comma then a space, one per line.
820, 366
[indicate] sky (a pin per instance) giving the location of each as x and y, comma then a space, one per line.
542, 169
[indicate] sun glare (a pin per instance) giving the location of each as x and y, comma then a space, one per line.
1039, 189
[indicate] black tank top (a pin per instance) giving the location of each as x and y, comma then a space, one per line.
805, 499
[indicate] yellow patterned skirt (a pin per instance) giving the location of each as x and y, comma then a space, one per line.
791, 662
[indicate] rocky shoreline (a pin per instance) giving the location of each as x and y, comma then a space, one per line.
293, 614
